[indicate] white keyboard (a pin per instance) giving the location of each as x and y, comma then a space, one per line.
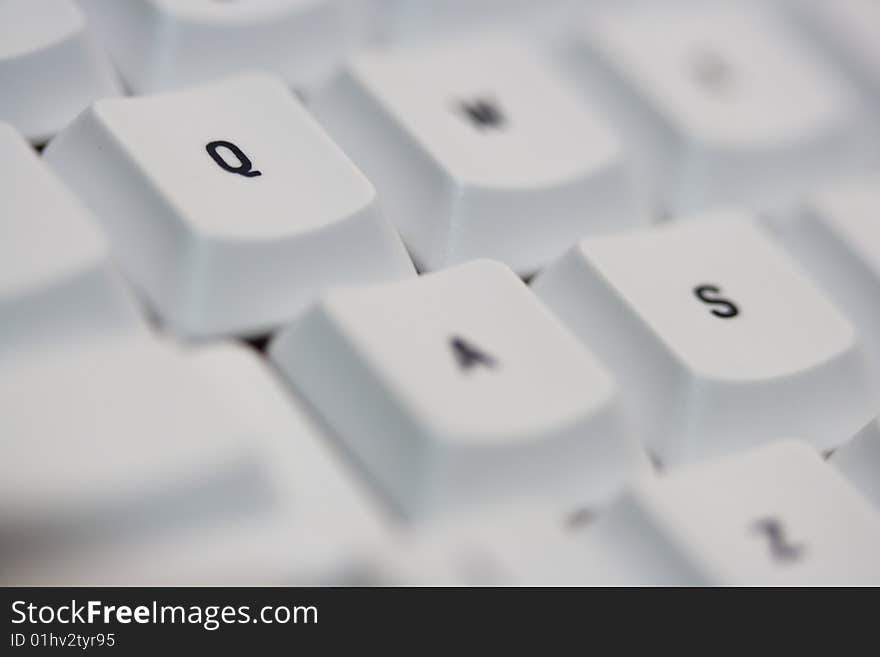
481, 292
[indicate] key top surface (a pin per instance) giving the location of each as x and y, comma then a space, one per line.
56, 276
160, 466
50, 69
479, 150
723, 101
42, 218
228, 205
719, 338
171, 44
459, 389
776, 515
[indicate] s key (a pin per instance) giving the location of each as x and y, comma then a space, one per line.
716, 337
227, 205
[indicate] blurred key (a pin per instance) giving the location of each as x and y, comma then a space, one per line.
717, 339
168, 44
836, 235
459, 391
773, 516
859, 461
723, 101
162, 467
226, 204
50, 69
56, 275
128, 422
477, 149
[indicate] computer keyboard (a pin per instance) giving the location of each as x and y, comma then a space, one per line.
439, 292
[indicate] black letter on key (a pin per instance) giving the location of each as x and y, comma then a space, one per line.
469, 356
244, 168
482, 112
704, 292
781, 549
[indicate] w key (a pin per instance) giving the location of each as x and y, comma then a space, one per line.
227, 205
460, 391
479, 150
716, 337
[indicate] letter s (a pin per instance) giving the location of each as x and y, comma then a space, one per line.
726, 308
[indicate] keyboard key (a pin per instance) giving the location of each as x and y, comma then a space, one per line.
836, 236
226, 204
168, 44
478, 150
458, 391
56, 277
49, 67
850, 29
723, 101
158, 466
859, 461
716, 338
774, 516
128, 423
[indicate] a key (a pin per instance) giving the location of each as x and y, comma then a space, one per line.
723, 102
56, 277
776, 515
50, 69
836, 236
478, 150
459, 390
227, 204
850, 29
168, 44
716, 338
859, 461
143, 465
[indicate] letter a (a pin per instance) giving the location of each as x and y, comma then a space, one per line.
469, 356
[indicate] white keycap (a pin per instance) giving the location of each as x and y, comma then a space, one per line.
773, 516
859, 461
226, 204
724, 102
717, 340
850, 29
56, 277
478, 150
458, 390
163, 467
169, 44
49, 67
836, 236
